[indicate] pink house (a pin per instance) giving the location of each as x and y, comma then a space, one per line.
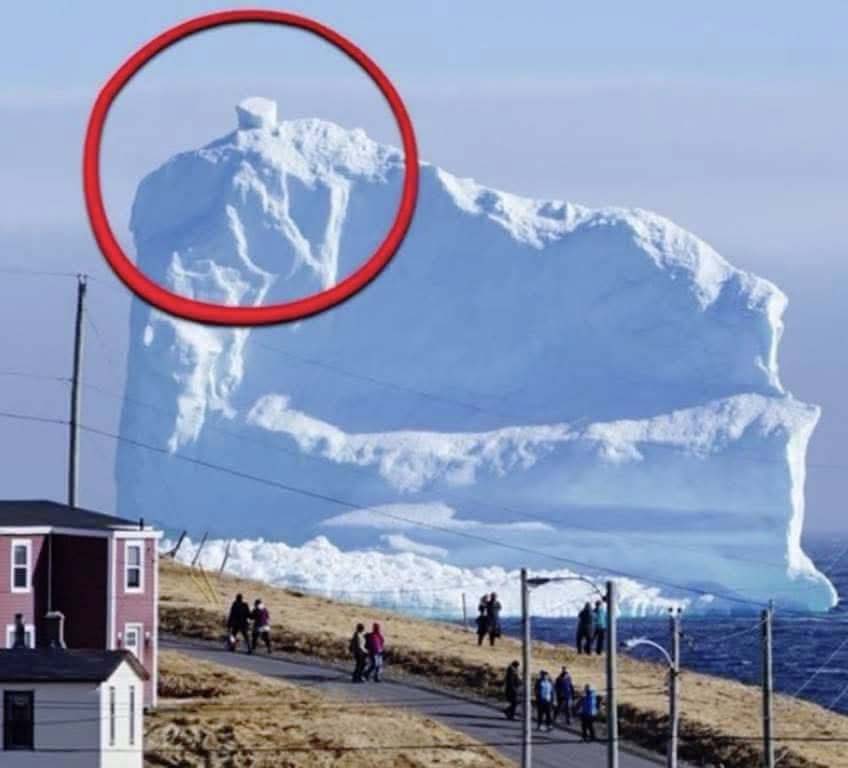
100, 572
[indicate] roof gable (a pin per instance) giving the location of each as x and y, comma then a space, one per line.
54, 665
31, 513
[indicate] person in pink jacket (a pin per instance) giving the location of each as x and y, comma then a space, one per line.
374, 643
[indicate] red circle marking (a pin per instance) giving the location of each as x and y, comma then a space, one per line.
218, 314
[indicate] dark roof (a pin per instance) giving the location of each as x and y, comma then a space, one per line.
63, 666
36, 513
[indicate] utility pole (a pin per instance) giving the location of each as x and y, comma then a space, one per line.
674, 675
73, 448
612, 664
768, 743
526, 731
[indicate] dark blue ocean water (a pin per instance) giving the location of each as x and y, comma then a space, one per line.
810, 652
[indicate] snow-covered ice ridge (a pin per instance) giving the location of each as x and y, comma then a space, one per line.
411, 582
528, 383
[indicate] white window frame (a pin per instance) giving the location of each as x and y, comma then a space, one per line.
113, 716
10, 635
26, 543
139, 629
131, 735
127, 545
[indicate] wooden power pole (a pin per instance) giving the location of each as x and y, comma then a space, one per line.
526, 724
73, 448
612, 673
673, 691
768, 738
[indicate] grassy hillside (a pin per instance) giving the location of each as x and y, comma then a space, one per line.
720, 718
211, 717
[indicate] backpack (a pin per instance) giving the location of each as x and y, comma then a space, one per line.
353, 647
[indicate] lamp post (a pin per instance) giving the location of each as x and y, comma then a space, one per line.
611, 666
673, 661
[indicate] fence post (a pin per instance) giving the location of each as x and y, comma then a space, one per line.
199, 549
226, 557
173, 552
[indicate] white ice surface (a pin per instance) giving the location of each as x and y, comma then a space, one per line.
411, 581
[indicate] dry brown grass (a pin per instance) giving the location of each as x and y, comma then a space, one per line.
215, 718
715, 712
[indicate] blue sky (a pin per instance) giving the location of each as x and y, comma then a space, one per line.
728, 118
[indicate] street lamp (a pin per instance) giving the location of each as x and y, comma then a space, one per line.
673, 661
611, 661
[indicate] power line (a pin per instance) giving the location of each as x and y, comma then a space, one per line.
27, 417
100, 340
823, 666
26, 271
36, 376
384, 383
839, 697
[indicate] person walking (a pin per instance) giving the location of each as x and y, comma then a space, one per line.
359, 653
588, 707
493, 613
512, 687
482, 624
374, 645
261, 625
544, 701
237, 622
584, 630
564, 690
600, 626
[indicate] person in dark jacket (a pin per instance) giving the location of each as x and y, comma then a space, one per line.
544, 701
588, 709
359, 651
374, 645
512, 687
261, 626
493, 613
600, 619
564, 689
237, 622
482, 625
584, 630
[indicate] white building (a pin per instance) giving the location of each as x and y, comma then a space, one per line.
71, 709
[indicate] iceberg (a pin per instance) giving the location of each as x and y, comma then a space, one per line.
528, 383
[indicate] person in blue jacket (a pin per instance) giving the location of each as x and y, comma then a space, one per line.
600, 626
588, 708
545, 701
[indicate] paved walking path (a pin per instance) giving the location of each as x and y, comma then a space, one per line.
483, 722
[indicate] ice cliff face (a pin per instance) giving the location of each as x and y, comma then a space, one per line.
597, 385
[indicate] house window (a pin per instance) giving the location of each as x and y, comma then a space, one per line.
29, 635
18, 720
132, 715
111, 715
21, 565
133, 638
134, 567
